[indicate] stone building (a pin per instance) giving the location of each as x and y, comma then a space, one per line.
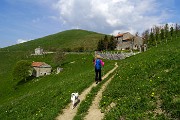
41, 69
38, 51
128, 41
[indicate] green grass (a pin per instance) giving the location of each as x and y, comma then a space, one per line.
7, 62
146, 83
44, 97
71, 39
85, 104
142, 82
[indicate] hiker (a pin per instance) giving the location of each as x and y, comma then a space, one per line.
98, 63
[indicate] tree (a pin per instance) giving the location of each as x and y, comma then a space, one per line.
59, 57
176, 30
136, 34
112, 43
100, 45
162, 34
106, 42
166, 28
145, 36
22, 70
151, 39
157, 30
171, 31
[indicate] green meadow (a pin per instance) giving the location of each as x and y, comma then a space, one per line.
145, 86
44, 97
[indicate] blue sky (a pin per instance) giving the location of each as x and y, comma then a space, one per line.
24, 20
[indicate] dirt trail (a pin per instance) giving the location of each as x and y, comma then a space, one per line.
68, 113
94, 112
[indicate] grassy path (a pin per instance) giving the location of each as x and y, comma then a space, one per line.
94, 112
68, 113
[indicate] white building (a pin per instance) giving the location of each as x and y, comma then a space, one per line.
38, 51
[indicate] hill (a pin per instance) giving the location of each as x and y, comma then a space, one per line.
70, 39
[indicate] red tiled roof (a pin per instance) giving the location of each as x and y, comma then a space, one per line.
37, 64
120, 35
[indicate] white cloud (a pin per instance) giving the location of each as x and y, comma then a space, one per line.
22, 40
109, 16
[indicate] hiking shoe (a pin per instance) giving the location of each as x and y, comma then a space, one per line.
96, 82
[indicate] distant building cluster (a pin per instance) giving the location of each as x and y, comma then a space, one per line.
129, 41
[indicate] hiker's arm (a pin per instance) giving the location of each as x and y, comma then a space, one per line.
102, 63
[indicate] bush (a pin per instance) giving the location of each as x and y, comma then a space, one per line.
22, 70
59, 57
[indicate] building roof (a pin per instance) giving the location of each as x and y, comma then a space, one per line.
120, 34
40, 64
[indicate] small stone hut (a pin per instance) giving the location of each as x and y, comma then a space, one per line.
41, 69
38, 51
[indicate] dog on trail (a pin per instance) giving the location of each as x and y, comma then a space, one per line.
74, 99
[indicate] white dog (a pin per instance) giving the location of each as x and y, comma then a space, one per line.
74, 97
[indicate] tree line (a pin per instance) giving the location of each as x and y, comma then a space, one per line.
107, 43
160, 34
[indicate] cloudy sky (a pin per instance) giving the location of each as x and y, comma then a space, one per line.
24, 20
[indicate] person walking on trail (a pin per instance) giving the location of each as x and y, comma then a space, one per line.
98, 63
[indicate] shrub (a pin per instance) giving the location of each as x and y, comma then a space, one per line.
22, 70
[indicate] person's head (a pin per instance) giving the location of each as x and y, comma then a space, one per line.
98, 57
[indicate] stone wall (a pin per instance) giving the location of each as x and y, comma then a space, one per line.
115, 55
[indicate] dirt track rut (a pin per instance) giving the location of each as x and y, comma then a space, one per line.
68, 113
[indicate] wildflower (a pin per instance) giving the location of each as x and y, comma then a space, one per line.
152, 94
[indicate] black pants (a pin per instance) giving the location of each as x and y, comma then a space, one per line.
98, 74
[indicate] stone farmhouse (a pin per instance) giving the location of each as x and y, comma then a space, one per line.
41, 69
38, 51
128, 41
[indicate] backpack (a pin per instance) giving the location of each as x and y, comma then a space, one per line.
98, 64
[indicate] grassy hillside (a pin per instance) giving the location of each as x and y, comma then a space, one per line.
67, 39
24, 102
44, 97
146, 86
